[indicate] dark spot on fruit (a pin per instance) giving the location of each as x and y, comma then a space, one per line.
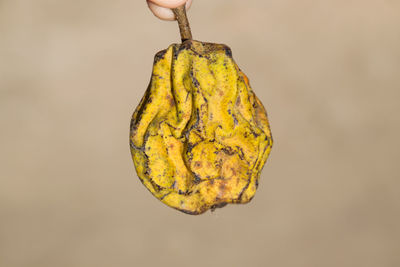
194, 80
255, 134
176, 52
238, 101
235, 121
197, 164
228, 52
197, 179
170, 100
165, 195
159, 56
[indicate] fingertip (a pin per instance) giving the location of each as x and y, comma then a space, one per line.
165, 13
161, 12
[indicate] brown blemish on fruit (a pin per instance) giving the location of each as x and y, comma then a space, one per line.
197, 164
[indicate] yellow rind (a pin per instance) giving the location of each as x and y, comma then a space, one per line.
200, 136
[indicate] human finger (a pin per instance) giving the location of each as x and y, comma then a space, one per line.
165, 13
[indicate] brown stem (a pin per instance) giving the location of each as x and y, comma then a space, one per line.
184, 27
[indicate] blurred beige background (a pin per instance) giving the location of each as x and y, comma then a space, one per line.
72, 72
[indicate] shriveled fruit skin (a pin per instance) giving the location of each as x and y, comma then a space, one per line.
199, 137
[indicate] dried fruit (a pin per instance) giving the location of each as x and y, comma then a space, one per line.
199, 137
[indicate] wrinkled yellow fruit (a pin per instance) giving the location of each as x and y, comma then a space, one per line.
199, 137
